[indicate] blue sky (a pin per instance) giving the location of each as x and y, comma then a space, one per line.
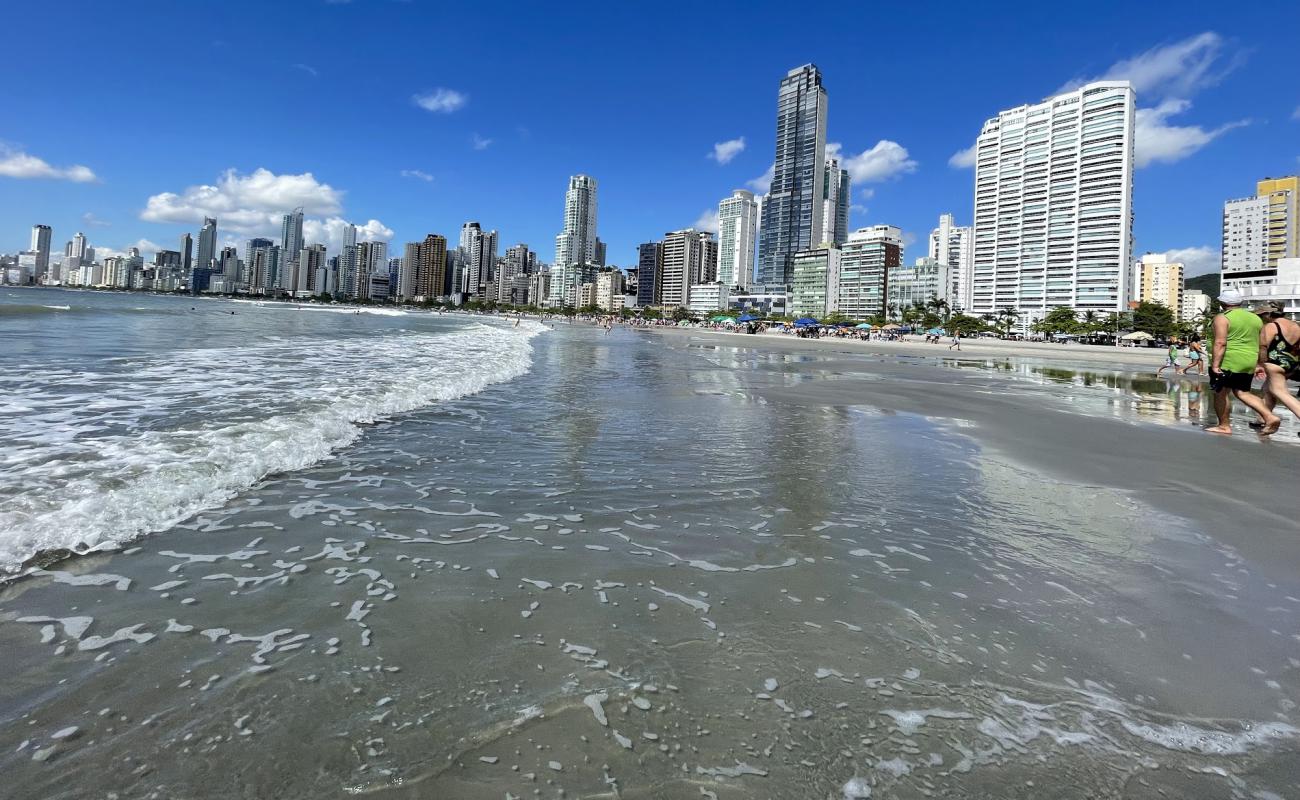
412, 117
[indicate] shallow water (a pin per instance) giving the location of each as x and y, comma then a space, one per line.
654, 566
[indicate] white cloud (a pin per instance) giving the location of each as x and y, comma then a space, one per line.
1157, 140
867, 194
1296, 114
1171, 70
415, 173
253, 204
723, 152
330, 231
763, 183
479, 143
248, 204
857, 209
883, 161
963, 159
1196, 260
93, 221
146, 247
708, 221
15, 163
310, 70
441, 101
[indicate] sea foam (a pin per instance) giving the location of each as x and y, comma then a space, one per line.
125, 454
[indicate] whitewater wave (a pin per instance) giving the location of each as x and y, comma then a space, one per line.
376, 310
106, 457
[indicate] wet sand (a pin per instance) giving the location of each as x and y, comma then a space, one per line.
667, 565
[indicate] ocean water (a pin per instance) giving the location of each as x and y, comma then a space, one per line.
422, 556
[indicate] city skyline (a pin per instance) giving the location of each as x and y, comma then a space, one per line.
438, 148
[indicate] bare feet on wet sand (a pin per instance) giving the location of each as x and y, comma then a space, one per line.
1219, 429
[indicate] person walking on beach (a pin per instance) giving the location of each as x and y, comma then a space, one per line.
1171, 359
1233, 361
1195, 356
956, 341
1279, 358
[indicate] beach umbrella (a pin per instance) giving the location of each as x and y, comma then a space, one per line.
866, 326
906, 329
747, 318
935, 331
721, 318
1137, 336
805, 321
890, 327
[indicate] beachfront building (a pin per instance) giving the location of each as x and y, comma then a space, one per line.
575, 246
41, 236
761, 300
430, 275
539, 287
737, 229
1193, 304
688, 257
1284, 288
290, 247
835, 203
792, 208
709, 297
815, 286
924, 281
649, 268
953, 245
1054, 205
866, 259
1259, 231
609, 290
1160, 281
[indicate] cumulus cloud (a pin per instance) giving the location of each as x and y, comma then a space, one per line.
418, 174
249, 204
307, 68
963, 159
708, 221
14, 163
330, 231
882, 162
763, 183
93, 221
1171, 70
253, 204
723, 152
479, 142
146, 247
867, 194
1196, 260
857, 209
1157, 140
440, 100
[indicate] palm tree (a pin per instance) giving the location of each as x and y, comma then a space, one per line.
890, 309
939, 306
1009, 316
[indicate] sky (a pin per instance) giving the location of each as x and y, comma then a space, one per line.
130, 121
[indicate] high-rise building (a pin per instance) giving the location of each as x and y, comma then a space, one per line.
927, 279
1054, 204
689, 257
649, 269
815, 286
207, 250
349, 282
792, 211
477, 259
41, 235
290, 246
78, 249
311, 273
512, 278
575, 247
187, 252
836, 197
609, 290
229, 265
952, 245
431, 267
1259, 231
737, 227
865, 261
1160, 281
261, 265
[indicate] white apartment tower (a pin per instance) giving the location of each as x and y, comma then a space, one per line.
1054, 205
1259, 231
737, 230
575, 247
952, 245
835, 204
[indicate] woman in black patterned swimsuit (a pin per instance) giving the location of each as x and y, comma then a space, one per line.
1279, 356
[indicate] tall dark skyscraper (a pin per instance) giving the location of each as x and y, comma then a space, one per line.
207, 242
649, 265
792, 212
187, 253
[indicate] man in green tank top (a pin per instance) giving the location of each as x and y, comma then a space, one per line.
1233, 362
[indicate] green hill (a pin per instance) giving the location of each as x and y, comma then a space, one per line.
1206, 283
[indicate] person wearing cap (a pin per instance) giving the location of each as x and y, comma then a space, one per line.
1279, 358
1233, 360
